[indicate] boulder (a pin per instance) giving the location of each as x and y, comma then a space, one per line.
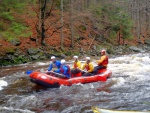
33, 51
9, 58
147, 48
15, 42
147, 42
63, 55
136, 49
35, 57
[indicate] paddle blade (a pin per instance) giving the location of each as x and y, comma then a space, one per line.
95, 109
29, 72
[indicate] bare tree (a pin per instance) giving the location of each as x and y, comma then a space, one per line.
62, 24
43, 10
71, 23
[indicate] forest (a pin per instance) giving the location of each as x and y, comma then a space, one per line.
46, 27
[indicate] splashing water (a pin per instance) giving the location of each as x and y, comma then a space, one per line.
3, 84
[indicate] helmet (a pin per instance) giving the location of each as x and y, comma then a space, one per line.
53, 57
103, 51
75, 57
87, 58
63, 61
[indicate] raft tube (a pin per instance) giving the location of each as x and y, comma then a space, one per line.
99, 110
49, 80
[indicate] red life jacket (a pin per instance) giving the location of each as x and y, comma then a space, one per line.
62, 70
105, 62
87, 67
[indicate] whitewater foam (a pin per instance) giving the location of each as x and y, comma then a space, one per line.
3, 84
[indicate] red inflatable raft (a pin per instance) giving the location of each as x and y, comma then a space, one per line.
55, 80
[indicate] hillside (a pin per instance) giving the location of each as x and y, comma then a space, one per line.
92, 29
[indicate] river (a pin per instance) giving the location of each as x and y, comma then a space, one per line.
127, 89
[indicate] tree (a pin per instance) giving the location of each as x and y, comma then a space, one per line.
114, 22
140, 12
43, 10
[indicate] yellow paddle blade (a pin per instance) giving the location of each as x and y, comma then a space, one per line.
99, 110
95, 109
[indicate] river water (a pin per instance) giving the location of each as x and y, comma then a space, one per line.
127, 89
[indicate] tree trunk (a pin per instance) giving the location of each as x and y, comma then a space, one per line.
138, 22
39, 24
62, 24
119, 36
43, 8
147, 17
71, 23
123, 40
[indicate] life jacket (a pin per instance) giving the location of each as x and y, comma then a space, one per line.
56, 64
62, 70
87, 67
105, 62
75, 64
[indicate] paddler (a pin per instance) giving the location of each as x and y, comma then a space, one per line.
76, 66
54, 65
102, 63
65, 69
87, 67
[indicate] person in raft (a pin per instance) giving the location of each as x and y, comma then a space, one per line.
88, 67
55, 65
102, 63
76, 67
65, 69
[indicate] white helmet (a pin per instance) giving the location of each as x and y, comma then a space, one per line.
103, 51
63, 61
87, 58
53, 57
75, 57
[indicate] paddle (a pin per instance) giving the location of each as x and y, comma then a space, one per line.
57, 74
50, 72
29, 72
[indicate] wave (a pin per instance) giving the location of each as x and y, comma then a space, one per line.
12, 110
3, 84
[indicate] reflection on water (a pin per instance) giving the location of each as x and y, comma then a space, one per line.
127, 89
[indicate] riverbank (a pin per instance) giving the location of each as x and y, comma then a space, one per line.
15, 53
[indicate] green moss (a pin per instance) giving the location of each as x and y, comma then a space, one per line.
68, 53
19, 60
5, 63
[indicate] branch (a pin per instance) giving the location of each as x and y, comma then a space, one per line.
55, 31
34, 10
52, 24
35, 23
50, 11
92, 42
